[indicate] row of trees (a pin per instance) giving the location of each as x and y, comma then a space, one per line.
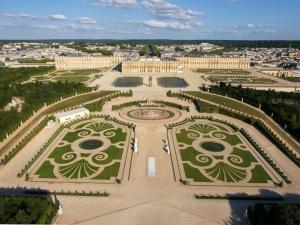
284, 107
150, 50
82, 47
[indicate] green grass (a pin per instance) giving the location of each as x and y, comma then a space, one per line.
118, 137
76, 166
46, 170
109, 172
259, 175
233, 104
247, 157
293, 79
113, 152
73, 136
182, 137
190, 155
202, 165
77, 79
78, 72
223, 72
193, 173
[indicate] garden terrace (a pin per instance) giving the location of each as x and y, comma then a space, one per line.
213, 153
249, 110
70, 157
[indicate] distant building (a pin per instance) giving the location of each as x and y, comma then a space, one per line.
151, 65
86, 62
214, 62
72, 115
278, 72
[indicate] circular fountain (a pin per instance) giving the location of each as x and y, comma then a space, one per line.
150, 114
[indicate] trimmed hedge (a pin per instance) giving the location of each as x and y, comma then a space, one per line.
239, 197
24, 141
58, 131
173, 105
127, 104
248, 137
261, 126
83, 193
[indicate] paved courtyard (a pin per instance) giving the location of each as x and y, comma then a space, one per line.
228, 162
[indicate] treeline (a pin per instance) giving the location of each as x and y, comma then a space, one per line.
33, 94
26, 210
149, 50
214, 52
225, 43
82, 47
36, 60
284, 107
11, 75
274, 213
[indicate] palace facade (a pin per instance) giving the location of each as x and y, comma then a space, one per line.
86, 62
214, 63
151, 65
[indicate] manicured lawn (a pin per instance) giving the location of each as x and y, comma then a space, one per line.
109, 172
194, 174
75, 162
77, 79
46, 170
259, 175
211, 152
239, 106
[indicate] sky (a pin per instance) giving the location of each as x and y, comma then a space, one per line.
150, 19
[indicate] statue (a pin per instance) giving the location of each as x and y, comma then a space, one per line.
150, 81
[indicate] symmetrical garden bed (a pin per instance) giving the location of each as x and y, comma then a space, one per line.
91, 150
212, 153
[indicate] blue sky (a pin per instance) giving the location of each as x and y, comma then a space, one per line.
171, 19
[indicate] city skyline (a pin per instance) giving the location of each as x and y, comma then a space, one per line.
149, 19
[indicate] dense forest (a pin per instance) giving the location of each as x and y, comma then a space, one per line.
284, 107
225, 43
26, 210
11, 75
34, 95
276, 213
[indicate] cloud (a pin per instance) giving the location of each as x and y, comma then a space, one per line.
115, 3
83, 27
22, 16
86, 20
166, 10
167, 25
47, 27
57, 17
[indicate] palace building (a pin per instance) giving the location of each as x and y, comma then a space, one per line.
86, 62
213, 63
151, 65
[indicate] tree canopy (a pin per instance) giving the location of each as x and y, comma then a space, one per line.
26, 210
